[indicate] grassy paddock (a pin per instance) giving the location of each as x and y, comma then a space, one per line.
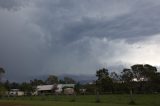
53, 103
88, 100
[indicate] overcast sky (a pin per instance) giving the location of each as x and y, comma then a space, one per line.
41, 37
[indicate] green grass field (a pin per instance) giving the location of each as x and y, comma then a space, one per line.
88, 100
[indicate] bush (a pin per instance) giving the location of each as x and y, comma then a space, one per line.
2, 91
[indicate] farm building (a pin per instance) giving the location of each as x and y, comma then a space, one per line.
60, 87
68, 85
50, 89
69, 91
45, 89
15, 92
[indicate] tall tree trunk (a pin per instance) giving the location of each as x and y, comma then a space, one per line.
132, 102
97, 97
131, 95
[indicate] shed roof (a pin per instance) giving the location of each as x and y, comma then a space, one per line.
45, 87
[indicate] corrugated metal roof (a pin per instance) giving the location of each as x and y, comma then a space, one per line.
45, 87
68, 85
50, 87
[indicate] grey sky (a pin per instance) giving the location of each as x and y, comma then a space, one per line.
41, 37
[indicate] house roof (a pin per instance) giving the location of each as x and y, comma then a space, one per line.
50, 87
45, 87
14, 89
68, 85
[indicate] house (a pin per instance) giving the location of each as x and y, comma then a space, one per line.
15, 92
69, 91
44, 89
68, 85
50, 89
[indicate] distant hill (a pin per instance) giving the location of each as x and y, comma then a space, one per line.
78, 78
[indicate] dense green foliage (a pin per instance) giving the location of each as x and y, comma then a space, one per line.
139, 79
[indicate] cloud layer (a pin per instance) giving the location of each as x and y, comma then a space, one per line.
77, 37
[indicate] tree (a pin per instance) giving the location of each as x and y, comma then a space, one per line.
36, 82
143, 71
2, 88
7, 85
103, 83
26, 87
2, 91
2, 71
115, 79
138, 71
151, 75
127, 77
61, 81
114, 76
14, 85
77, 87
52, 79
102, 73
149, 71
145, 75
90, 88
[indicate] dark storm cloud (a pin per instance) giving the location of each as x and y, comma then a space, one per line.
12, 4
68, 21
75, 37
132, 26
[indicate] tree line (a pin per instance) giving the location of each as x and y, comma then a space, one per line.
139, 78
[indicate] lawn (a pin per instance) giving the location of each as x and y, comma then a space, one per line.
89, 100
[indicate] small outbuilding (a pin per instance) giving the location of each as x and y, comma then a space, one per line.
69, 91
51, 89
15, 92
45, 89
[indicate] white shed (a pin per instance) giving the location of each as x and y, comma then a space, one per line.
45, 89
